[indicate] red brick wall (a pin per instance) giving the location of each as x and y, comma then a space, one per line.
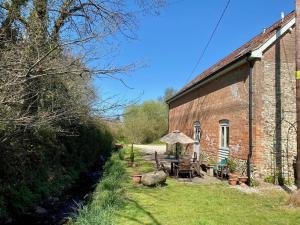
227, 98
223, 98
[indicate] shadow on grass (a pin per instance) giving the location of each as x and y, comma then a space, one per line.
138, 206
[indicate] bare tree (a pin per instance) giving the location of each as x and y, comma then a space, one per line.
43, 77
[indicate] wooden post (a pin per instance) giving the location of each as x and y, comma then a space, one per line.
298, 90
176, 154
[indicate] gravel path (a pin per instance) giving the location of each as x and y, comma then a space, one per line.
150, 149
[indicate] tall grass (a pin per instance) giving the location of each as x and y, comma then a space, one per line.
294, 199
108, 196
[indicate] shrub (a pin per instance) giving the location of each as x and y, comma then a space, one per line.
212, 162
254, 182
294, 199
2, 207
270, 179
49, 163
145, 123
121, 154
281, 180
232, 165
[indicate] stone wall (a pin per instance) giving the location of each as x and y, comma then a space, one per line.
276, 104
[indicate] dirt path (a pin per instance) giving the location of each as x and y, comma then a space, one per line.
150, 149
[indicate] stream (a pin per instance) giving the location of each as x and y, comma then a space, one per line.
57, 210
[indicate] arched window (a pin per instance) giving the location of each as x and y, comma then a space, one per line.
224, 134
197, 131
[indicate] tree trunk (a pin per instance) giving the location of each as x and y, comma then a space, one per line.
38, 34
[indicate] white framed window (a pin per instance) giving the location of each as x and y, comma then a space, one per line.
224, 134
197, 131
197, 137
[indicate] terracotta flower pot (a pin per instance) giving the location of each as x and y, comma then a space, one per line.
233, 181
210, 170
131, 164
136, 178
233, 175
243, 179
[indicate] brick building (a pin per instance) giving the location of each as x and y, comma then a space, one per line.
244, 106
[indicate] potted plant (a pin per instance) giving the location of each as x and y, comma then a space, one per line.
211, 162
210, 167
232, 166
243, 179
136, 178
233, 181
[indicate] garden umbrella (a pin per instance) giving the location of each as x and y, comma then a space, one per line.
176, 137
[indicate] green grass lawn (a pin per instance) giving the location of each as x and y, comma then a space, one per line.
196, 204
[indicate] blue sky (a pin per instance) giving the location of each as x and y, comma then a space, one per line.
171, 43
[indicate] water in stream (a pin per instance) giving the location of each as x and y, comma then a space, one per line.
56, 211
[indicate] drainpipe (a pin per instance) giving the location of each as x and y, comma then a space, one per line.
298, 91
168, 104
168, 131
249, 159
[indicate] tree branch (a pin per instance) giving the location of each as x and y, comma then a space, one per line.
52, 50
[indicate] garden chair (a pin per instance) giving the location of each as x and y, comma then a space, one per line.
221, 168
159, 164
196, 165
195, 157
184, 166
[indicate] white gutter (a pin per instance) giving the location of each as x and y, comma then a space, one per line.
258, 53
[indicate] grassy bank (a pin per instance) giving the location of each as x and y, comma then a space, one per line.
179, 203
108, 196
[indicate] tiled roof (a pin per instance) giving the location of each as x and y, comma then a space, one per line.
238, 53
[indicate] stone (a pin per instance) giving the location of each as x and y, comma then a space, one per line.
243, 185
154, 178
40, 210
9, 220
53, 199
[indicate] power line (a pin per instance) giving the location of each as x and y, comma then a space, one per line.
209, 41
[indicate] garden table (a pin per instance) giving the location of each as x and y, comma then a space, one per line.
172, 162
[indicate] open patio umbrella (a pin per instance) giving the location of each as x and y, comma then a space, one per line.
176, 137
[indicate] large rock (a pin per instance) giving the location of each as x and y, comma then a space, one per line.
40, 210
154, 178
